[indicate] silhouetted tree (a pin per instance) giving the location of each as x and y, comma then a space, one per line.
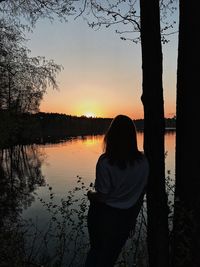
24, 79
32, 10
186, 245
154, 128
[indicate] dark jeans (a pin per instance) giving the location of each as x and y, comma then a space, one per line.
108, 229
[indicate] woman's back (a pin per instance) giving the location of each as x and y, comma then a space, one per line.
123, 186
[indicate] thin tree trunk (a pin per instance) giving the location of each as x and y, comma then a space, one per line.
154, 129
9, 91
186, 232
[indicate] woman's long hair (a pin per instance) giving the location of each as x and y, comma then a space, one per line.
120, 142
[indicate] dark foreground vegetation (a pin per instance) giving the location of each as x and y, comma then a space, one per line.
40, 127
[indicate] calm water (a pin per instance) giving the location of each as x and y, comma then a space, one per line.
62, 162
27, 174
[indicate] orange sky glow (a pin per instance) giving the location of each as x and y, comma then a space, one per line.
102, 75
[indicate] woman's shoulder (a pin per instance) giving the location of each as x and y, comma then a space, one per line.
102, 158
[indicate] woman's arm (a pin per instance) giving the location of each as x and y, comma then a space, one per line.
96, 196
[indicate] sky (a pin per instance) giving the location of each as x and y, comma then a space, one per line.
102, 75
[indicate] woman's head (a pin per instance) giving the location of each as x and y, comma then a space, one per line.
120, 141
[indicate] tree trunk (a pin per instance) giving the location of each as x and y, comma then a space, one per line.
154, 130
186, 232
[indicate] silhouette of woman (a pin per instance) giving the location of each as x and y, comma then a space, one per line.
121, 178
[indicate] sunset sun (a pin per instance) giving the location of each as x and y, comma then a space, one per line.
90, 114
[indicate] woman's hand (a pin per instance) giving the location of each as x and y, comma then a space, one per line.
90, 195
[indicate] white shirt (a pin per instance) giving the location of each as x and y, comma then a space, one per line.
123, 187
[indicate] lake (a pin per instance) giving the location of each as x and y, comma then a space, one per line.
40, 178
64, 161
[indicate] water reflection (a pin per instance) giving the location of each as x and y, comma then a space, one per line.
20, 172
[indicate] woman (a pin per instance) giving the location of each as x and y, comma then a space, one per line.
121, 178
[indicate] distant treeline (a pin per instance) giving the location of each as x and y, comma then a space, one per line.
41, 127
170, 124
